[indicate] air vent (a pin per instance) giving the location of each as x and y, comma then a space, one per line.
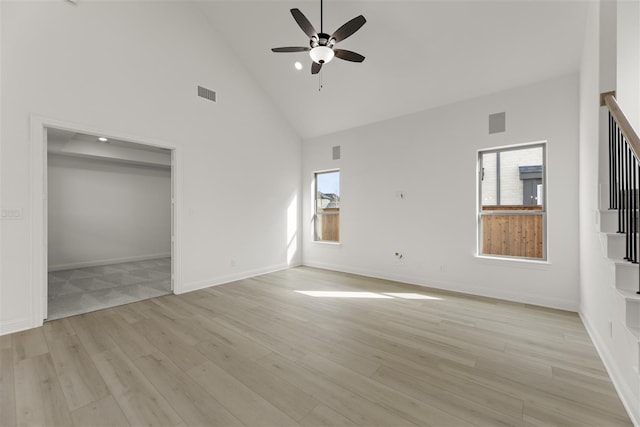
205, 93
497, 122
336, 152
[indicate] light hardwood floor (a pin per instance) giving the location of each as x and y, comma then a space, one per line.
259, 353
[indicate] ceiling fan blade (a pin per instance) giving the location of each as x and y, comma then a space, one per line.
303, 22
315, 67
347, 55
349, 28
290, 49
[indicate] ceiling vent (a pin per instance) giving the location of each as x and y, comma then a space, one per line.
205, 93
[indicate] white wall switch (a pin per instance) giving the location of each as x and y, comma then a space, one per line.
7, 214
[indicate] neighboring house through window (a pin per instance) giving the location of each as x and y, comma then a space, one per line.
512, 211
327, 206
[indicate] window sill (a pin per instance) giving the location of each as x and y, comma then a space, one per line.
328, 243
514, 262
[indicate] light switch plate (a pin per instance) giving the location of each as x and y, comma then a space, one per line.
11, 213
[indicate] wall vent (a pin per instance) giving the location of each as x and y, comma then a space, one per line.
205, 93
497, 122
335, 152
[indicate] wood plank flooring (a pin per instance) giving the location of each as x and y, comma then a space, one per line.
308, 347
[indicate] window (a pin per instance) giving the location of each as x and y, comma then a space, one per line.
512, 212
327, 206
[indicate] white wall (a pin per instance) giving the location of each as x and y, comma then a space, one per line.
431, 156
132, 68
628, 54
101, 211
601, 306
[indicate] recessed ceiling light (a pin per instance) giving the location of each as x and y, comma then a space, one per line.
102, 139
298, 65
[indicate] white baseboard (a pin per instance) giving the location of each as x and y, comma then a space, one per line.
194, 286
17, 325
453, 287
626, 396
97, 263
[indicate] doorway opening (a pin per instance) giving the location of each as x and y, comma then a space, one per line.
109, 207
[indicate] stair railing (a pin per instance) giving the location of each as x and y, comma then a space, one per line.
624, 174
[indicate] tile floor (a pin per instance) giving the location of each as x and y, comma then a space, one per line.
82, 290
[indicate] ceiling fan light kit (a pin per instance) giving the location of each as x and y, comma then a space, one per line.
321, 48
321, 54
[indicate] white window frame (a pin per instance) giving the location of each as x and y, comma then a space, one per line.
316, 214
542, 212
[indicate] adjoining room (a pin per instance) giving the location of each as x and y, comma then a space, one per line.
109, 222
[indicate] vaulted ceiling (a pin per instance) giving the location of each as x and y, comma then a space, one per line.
419, 54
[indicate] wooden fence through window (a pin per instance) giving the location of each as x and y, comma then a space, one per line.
518, 235
329, 225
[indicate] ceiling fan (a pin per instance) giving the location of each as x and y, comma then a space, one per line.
321, 44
